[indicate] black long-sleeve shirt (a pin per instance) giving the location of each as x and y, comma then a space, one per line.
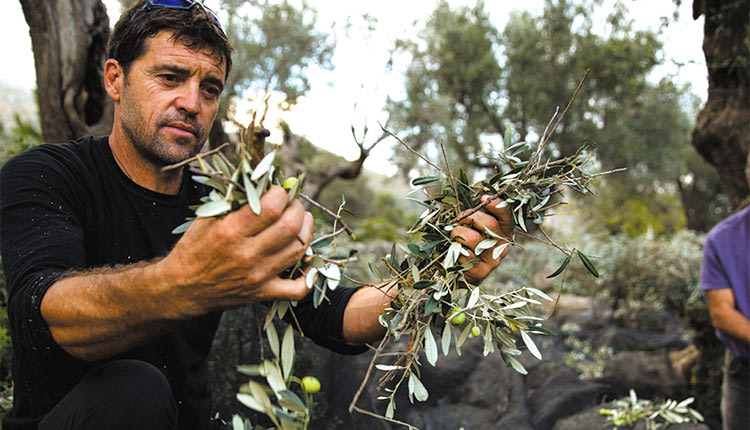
68, 207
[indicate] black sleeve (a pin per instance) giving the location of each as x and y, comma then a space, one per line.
41, 238
325, 324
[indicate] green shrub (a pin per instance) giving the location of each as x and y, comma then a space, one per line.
640, 277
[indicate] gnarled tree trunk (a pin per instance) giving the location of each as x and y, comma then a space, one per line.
69, 39
722, 129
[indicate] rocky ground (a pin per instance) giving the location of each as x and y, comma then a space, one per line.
589, 363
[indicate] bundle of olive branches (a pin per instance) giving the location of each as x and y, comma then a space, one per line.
434, 306
242, 182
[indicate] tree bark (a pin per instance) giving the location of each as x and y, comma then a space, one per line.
722, 129
69, 39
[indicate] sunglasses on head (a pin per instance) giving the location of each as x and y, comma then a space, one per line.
183, 4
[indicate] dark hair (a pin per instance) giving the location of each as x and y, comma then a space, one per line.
191, 26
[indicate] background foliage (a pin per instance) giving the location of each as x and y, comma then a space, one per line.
468, 79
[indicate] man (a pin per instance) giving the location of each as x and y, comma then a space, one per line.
725, 276
111, 315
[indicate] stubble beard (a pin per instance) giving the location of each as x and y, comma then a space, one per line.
157, 150
152, 146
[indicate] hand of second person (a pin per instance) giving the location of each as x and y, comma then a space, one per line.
234, 260
471, 231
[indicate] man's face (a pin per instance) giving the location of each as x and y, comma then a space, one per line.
169, 100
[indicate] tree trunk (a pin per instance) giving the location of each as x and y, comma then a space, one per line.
69, 39
722, 129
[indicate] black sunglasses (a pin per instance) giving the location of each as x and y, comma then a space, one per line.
182, 4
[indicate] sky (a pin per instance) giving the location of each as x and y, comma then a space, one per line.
354, 92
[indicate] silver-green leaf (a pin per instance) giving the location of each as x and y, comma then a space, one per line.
213, 208
430, 347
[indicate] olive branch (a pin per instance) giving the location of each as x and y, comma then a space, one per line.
627, 410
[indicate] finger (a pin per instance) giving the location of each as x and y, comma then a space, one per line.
466, 236
272, 205
478, 271
294, 226
481, 267
502, 215
283, 289
480, 221
306, 232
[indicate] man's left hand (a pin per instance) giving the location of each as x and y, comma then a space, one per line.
471, 231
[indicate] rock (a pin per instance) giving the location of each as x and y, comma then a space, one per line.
586, 419
550, 372
555, 402
621, 339
649, 374
573, 313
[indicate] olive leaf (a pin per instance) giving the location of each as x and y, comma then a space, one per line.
588, 264
417, 389
530, 345
446, 339
430, 347
213, 208
287, 352
424, 180
273, 339
562, 267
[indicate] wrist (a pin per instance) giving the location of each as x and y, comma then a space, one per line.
171, 286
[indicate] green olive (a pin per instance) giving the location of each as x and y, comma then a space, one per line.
310, 384
459, 318
476, 331
289, 183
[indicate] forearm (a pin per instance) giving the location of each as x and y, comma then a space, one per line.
361, 317
101, 313
724, 315
732, 323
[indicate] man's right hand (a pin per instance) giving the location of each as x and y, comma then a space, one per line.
227, 262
